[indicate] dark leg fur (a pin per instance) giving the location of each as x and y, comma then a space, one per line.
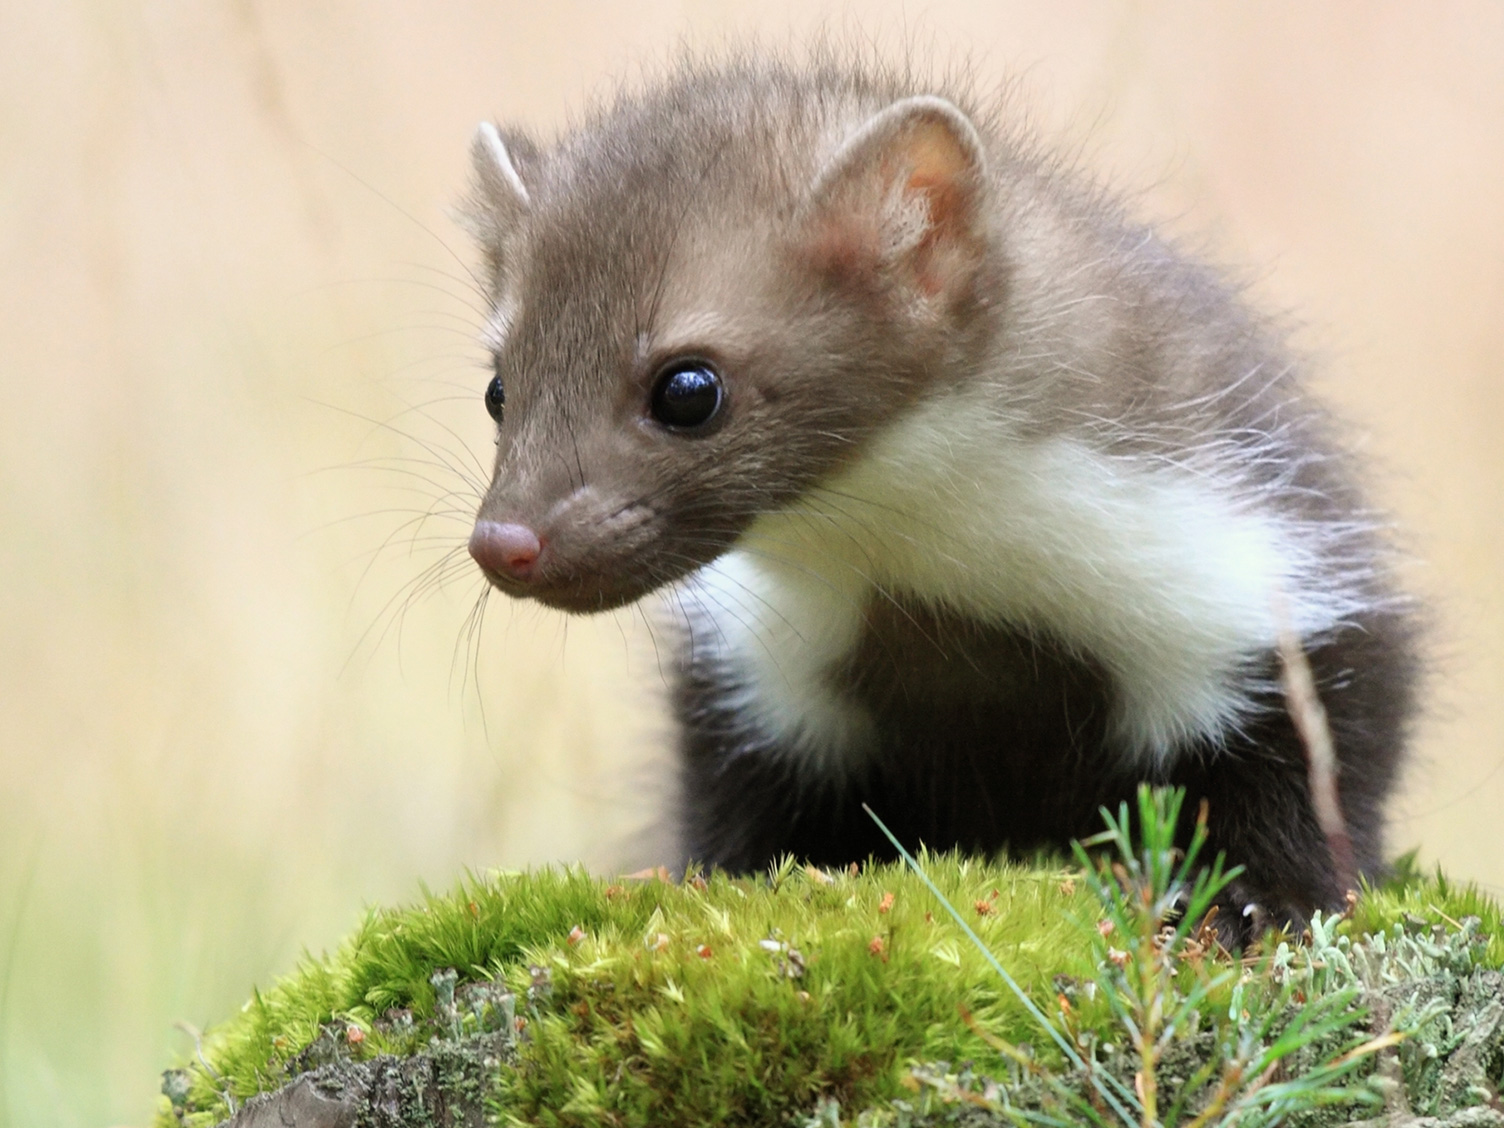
992, 741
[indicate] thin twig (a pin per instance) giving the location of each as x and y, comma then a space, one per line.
1306, 710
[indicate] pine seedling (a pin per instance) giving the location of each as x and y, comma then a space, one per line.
1276, 1041
1155, 901
1285, 1041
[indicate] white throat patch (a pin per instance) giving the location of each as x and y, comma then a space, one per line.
1166, 577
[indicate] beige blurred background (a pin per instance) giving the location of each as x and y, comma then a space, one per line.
237, 367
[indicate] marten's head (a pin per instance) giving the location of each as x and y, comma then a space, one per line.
703, 302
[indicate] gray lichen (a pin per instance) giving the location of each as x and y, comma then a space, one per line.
1421, 980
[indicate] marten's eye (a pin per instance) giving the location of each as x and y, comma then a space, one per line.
687, 395
496, 398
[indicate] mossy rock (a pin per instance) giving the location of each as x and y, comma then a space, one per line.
806, 998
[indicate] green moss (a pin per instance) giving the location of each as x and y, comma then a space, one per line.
727, 1001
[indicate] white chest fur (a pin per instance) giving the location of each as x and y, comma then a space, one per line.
1167, 577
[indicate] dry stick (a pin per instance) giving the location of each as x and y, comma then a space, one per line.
1306, 710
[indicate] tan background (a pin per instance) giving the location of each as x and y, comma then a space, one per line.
227, 277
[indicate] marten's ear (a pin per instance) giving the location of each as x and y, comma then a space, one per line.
902, 200
500, 198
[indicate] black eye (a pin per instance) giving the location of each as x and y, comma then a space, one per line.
687, 394
496, 398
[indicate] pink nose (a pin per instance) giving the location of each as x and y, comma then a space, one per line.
506, 549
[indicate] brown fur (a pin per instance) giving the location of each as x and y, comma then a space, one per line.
840, 261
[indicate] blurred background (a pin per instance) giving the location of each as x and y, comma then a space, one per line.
242, 693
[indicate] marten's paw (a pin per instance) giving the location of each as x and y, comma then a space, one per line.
1241, 915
